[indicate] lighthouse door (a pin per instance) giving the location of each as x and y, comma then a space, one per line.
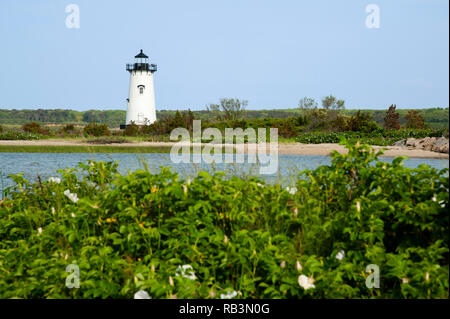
140, 118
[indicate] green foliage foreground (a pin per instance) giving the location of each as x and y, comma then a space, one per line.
132, 232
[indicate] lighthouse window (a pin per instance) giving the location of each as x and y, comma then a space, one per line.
141, 89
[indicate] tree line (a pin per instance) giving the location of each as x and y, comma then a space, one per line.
434, 117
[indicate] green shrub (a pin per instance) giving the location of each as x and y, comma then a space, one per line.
165, 124
16, 135
131, 232
377, 137
35, 128
94, 129
1, 129
361, 122
131, 130
69, 130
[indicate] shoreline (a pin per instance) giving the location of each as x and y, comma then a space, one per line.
44, 146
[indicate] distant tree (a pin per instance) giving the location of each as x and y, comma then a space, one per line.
89, 116
229, 109
178, 120
414, 120
188, 118
331, 103
306, 104
391, 119
328, 117
361, 122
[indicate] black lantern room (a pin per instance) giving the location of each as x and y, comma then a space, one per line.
141, 64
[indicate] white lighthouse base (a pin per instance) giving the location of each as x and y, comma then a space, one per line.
141, 99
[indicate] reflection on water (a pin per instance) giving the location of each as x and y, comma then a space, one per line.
46, 164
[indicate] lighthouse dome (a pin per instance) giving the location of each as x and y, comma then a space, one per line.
141, 55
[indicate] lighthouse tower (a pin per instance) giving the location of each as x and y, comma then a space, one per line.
141, 98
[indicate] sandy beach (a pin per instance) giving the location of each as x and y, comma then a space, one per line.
283, 148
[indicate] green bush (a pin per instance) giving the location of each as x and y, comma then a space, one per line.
131, 130
361, 122
377, 137
35, 128
16, 135
68, 130
131, 232
94, 129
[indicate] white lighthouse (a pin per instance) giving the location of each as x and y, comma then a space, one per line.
141, 98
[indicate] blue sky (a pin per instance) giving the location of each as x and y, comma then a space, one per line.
271, 53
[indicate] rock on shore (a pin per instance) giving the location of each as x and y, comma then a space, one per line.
435, 144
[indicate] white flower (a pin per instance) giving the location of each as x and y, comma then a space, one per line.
295, 212
306, 282
405, 280
298, 266
259, 185
39, 231
185, 189
72, 196
340, 255
434, 198
283, 264
186, 271
230, 294
358, 207
225, 239
73, 215
291, 190
171, 281
142, 294
66, 257
427, 276
56, 180
53, 210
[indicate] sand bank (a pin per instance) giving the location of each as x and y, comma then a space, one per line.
283, 148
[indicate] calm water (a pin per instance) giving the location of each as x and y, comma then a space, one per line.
46, 164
